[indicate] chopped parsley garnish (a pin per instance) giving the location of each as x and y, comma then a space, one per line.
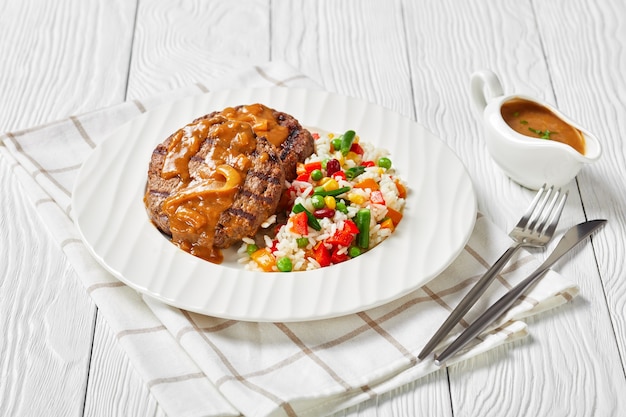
541, 133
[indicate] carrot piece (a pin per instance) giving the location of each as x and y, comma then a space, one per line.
368, 183
265, 259
387, 224
401, 190
394, 215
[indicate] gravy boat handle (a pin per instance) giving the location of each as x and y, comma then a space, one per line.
481, 95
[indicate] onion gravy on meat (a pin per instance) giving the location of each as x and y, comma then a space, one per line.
207, 185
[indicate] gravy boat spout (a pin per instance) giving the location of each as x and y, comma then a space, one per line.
530, 140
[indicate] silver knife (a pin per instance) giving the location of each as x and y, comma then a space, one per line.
570, 239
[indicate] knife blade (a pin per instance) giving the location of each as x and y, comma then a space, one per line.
571, 238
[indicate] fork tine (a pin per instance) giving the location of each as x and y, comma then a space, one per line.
554, 220
526, 217
539, 209
545, 215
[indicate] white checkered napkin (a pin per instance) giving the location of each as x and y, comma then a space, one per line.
314, 368
198, 365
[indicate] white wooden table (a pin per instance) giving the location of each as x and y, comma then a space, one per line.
59, 358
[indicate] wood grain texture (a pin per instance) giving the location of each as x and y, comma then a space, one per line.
46, 320
503, 37
413, 57
351, 47
60, 62
178, 43
590, 87
114, 387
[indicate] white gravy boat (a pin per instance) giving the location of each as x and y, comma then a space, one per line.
528, 161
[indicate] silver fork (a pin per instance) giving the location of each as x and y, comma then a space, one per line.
534, 229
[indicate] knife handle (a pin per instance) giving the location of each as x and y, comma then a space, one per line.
468, 301
489, 316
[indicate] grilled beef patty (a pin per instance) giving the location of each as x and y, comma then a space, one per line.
264, 167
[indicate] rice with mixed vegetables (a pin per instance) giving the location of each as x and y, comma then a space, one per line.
345, 201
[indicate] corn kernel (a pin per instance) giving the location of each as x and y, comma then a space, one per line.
356, 198
331, 135
353, 156
330, 202
324, 180
331, 184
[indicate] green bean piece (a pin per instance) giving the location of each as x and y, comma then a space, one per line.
362, 221
352, 173
322, 192
346, 141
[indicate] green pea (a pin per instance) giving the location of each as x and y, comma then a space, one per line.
341, 206
384, 162
251, 248
324, 162
336, 143
318, 201
317, 175
354, 252
302, 242
284, 264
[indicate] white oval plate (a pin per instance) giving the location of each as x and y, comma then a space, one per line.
438, 218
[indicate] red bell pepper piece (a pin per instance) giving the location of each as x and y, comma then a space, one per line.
339, 175
345, 236
357, 149
321, 254
351, 226
341, 237
337, 258
299, 224
376, 197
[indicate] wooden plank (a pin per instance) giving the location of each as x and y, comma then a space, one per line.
120, 391
588, 72
178, 43
356, 48
46, 318
60, 60
56, 65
